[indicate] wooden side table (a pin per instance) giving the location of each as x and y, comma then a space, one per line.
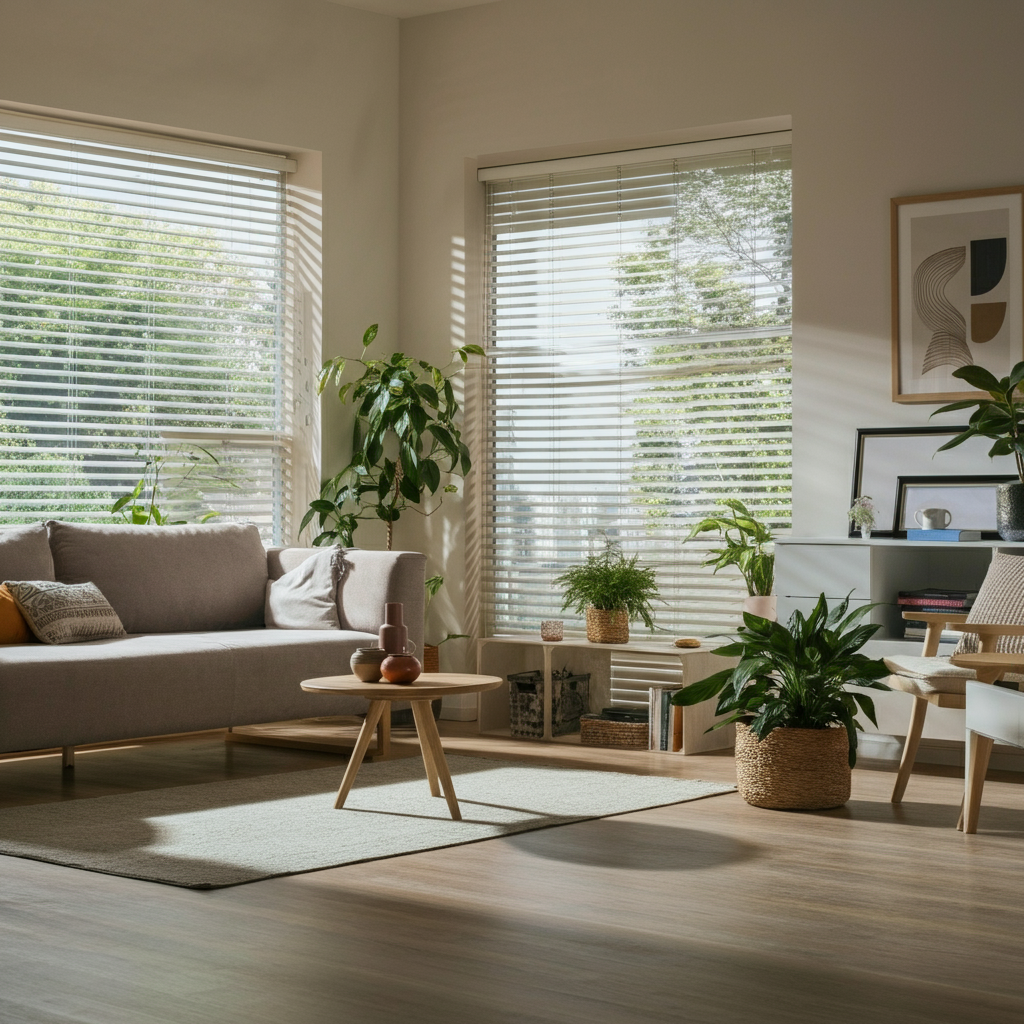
428, 687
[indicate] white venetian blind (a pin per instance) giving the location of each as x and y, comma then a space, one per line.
638, 336
141, 316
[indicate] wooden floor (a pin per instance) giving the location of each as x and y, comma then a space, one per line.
703, 912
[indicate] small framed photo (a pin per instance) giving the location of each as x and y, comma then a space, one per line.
957, 290
969, 500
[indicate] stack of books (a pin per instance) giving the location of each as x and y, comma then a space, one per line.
934, 599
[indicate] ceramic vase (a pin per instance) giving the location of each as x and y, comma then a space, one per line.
400, 668
1010, 510
365, 663
393, 635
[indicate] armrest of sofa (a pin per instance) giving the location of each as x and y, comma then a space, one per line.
371, 580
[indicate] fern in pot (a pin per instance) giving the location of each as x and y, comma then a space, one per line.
612, 591
796, 726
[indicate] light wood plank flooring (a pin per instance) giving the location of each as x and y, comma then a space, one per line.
704, 912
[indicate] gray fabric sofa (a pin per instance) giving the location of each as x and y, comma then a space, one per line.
198, 655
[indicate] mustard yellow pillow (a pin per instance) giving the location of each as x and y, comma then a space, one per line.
13, 627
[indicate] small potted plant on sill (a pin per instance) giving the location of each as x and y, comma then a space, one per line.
796, 727
612, 591
862, 515
746, 550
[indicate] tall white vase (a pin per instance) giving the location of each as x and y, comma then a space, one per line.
762, 606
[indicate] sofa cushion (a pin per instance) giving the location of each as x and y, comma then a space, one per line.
168, 579
25, 554
65, 613
166, 683
306, 597
13, 627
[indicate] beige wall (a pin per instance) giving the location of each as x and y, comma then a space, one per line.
292, 74
887, 98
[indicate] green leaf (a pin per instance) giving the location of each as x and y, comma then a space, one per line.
476, 350
978, 377
465, 463
704, 689
209, 515
431, 474
408, 489
369, 334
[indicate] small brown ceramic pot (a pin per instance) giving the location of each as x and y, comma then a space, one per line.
401, 668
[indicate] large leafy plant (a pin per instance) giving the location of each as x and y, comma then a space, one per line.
745, 541
611, 582
796, 676
405, 439
999, 418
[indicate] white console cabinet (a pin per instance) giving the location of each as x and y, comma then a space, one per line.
874, 571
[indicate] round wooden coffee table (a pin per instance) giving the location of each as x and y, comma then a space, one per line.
428, 687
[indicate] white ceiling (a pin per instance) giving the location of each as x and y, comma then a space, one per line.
411, 8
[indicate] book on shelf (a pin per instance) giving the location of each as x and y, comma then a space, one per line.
949, 535
916, 630
665, 730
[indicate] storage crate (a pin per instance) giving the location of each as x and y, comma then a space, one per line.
570, 698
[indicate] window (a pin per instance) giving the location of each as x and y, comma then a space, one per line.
142, 316
638, 321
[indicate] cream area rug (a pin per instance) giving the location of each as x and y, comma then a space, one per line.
226, 833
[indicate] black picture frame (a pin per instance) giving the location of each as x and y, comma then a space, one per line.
899, 528
883, 454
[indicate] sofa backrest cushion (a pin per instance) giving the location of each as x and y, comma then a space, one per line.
25, 554
168, 579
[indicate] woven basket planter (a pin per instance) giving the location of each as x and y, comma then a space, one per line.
793, 769
431, 658
604, 627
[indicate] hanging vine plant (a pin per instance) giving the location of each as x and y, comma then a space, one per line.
406, 439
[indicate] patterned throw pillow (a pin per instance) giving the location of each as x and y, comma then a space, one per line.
1000, 600
63, 613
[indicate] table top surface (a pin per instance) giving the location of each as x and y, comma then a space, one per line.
429, 686
993, 659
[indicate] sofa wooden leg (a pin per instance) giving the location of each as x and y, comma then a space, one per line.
67, 757
979, 750
914, 730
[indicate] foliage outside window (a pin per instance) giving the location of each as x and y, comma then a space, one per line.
640, 360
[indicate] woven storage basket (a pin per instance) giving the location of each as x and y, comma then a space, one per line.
596, 731
604, 627
793, 769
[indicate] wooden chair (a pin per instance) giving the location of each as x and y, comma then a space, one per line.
946, 686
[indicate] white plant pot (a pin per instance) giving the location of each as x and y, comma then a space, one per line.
865, 533
762, 606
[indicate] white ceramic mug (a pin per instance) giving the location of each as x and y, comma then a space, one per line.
932, 518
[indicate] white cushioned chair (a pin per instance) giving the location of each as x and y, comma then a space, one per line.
995, 623
993, 714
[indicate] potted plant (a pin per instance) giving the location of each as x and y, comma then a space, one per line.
406, 429
1001, 419
796, 727
862, 515
612, 591
745, 542
432, 652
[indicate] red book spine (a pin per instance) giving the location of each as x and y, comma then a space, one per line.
930, 602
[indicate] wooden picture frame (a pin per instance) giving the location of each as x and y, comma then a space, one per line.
970, 499
957, 289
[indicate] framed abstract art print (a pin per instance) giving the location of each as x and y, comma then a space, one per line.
957, 290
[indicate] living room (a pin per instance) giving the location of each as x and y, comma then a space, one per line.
388, 109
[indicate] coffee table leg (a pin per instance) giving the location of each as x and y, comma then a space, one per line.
430, 738
420, 708
377, 708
